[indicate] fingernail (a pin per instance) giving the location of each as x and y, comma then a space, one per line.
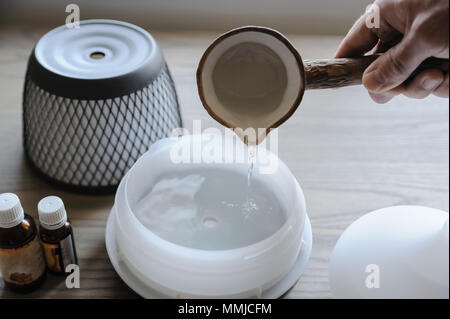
380, 98
430, 84
372, 81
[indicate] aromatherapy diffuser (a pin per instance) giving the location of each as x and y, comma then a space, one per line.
183, 229
95, 98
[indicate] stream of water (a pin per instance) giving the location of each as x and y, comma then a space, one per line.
249, 206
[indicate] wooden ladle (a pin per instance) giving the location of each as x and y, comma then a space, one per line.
335, 73
253, 79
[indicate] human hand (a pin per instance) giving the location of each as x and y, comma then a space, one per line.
409, 32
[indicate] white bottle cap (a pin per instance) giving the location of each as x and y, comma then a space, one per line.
52, 214
11, 211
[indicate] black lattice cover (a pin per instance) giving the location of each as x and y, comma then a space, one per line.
89, 145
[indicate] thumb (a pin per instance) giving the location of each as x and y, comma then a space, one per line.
393, 67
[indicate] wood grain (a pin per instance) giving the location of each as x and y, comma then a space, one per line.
349, 154
336, 73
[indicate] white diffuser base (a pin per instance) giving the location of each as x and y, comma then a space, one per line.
276, 291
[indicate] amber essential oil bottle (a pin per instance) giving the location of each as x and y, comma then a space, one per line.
56, 235
21, 260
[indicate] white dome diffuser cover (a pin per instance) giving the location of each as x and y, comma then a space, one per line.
156, 267
395, 252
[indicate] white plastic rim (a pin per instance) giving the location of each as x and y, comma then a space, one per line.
71, 52
276, 291
181, 272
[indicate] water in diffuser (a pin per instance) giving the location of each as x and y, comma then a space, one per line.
210, 209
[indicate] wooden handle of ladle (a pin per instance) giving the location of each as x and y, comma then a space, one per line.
335, 73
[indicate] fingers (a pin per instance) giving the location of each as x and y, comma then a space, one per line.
406, 47
442, 90
384, 45
393, 67
358, 40
424, 84
365, 34
427, 82
382, 98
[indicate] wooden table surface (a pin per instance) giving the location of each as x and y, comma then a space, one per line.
350, 155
